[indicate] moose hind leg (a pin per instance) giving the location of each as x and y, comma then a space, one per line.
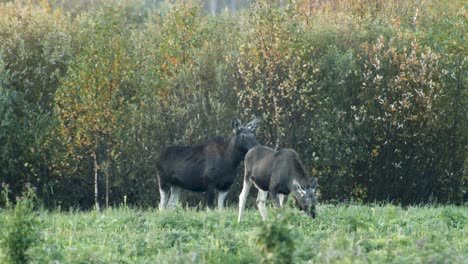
261, 201
175, 194
221, 198
243, 198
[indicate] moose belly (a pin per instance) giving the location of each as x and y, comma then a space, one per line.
261, 183
224, 185
189, 179
193, 185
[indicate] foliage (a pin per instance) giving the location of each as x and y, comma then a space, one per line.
92, 100
20, 225
34, 55
35, 50
274, 68
370, 93
402, 103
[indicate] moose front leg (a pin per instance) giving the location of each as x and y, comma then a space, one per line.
164, 196
175, 194
210, 197
281, 199
277, 203
221, 198
276, 197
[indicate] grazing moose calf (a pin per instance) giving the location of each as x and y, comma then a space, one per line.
280, 173
209, 167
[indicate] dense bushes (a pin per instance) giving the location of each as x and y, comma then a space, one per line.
371, 93
35, 48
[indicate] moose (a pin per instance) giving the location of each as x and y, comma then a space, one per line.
280, 173
210, 167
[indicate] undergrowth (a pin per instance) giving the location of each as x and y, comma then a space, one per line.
348, 233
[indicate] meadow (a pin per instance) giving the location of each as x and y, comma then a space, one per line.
345, 233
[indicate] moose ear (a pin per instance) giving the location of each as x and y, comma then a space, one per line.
236, 123
254, 124
313, 184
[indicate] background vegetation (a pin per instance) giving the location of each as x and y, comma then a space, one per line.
372, 94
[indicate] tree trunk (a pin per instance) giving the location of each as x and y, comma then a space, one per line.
276, 122
107, 190
96, 193
107, 172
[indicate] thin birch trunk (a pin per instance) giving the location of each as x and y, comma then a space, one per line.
96, 190
107, 172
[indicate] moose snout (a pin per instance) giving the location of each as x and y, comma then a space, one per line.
313, 212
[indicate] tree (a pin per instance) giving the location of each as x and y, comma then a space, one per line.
93, 98
34, 54
275, 69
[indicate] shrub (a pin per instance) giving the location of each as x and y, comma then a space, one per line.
20, 226
275, 239
35, 50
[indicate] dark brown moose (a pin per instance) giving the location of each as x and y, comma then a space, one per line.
210, 167
280, 173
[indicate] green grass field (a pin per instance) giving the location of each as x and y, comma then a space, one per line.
340, 234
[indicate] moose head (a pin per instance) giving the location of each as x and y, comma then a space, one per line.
245, 135
306, 198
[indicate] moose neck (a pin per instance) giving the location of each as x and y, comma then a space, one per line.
233, 153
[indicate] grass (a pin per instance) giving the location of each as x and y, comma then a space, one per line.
348, 233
